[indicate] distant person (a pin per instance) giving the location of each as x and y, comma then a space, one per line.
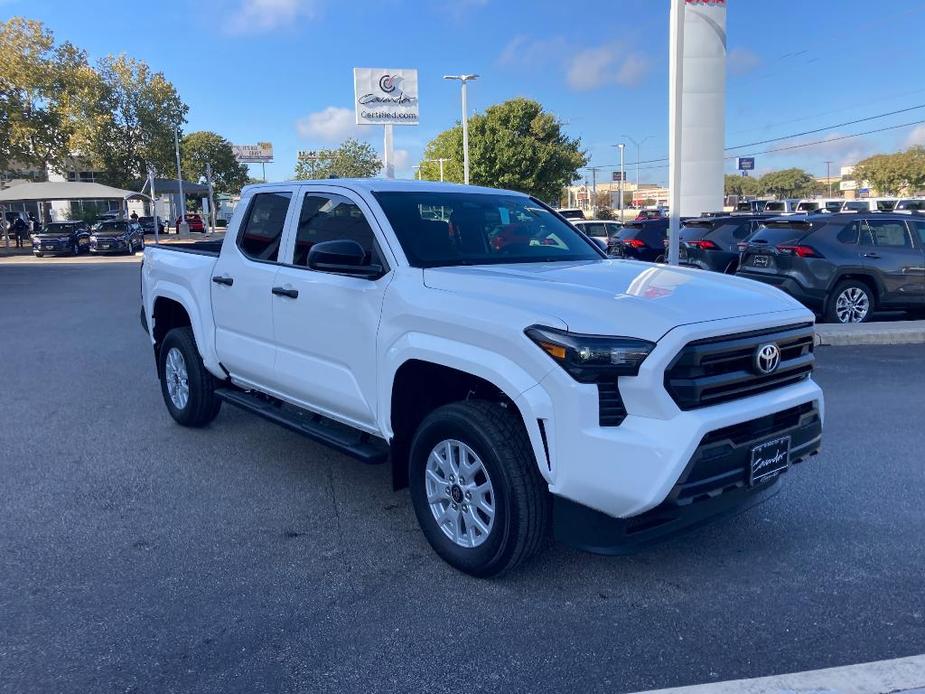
20, 230
134, 217
33, 224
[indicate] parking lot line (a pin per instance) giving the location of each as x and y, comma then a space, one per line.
879, 677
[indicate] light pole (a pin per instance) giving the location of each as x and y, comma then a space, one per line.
622, 176
828, 176
182, 227
638, 148
418, 167
464, 80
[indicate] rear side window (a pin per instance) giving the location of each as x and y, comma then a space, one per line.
920, 229
886, 205
775, 206
856, 206
262, 230
849, 235
889, 234
736, 232
330, 218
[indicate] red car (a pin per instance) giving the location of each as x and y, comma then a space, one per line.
194, 221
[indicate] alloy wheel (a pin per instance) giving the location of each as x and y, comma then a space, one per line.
177, 378
852, 305
460, 493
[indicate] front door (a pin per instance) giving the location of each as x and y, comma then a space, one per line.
242, 284
326, 324
888, 249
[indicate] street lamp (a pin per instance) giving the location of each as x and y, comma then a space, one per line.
638, 147
622, 147
464, 80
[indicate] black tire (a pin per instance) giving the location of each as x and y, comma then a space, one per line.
75, 251
39, 255
522, 502
831, 308
131, 248
202, 406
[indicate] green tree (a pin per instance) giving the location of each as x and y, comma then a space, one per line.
893, 174
741, 185
353, 159
43, 93
787, 183
205, 147
514, 144
141, 111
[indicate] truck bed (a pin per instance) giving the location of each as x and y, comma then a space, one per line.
210, 247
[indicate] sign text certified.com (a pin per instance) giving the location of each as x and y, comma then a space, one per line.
385, 96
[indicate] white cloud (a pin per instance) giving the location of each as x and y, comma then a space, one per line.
255, 16
916, 137
740, 61
332, 124
606, 65
633, 70
523, 51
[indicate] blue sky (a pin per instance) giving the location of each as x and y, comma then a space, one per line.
281, 70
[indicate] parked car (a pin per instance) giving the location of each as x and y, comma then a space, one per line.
820, 205
117, 236
71, 238
193, 220
786, 206
712, 243
753, 206
651, 213
147, 225
641, 240
869, 205
604, 233
514, 387
571, 213
843, 266
910, 205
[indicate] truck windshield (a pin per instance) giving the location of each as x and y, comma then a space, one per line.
441, 229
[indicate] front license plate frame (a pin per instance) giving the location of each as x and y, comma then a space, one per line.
768, 459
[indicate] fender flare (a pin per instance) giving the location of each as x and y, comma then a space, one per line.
203, 334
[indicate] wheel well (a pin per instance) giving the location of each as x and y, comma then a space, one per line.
419, 388
866, 279
168, 314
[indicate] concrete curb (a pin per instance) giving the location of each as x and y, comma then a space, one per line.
886, 333
881, 677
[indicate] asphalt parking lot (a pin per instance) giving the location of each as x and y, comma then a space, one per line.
136, 555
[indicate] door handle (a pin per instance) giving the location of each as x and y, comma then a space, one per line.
871, 255
282, 291
220, 279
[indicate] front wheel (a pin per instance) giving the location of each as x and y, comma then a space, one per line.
851, 302
477, 493
187, 386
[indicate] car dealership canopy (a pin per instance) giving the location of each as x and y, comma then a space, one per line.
64, 190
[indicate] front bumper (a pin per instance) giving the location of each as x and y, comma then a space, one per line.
713, 484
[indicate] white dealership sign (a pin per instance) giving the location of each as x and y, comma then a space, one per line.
385, 96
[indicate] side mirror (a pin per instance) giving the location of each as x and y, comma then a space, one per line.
600, 243
343, 257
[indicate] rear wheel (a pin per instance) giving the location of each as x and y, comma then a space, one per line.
76, 249
187, 386
851, 302
39, 255
477, 493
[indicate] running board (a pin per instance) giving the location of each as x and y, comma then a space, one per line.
364, 447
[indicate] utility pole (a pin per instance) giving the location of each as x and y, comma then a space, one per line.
464, 80
828, 176
182, 227
211, 197
638, 144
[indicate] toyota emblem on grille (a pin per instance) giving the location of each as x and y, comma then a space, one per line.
767, 359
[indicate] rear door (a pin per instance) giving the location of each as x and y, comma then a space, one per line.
326, 325
242, 282
888, 249
761, 255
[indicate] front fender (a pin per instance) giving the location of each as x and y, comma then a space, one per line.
505, 374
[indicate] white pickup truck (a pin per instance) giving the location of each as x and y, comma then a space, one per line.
515, 378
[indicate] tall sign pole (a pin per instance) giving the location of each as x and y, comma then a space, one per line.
211, 197
622, 177
388, 151
157, 226
183, 226
675, 90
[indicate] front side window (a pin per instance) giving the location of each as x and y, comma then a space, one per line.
855, 206
327, 217
886, 205
889, 234
775, 206
920, 230
444, 229
262, 230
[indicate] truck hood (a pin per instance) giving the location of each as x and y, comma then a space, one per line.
615, 297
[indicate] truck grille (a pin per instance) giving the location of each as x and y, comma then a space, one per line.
719, 369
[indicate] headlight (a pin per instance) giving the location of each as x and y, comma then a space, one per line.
93, 237
591, 358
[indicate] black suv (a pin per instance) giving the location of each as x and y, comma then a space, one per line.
641, 240
712, 243
843, 266
72, 238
